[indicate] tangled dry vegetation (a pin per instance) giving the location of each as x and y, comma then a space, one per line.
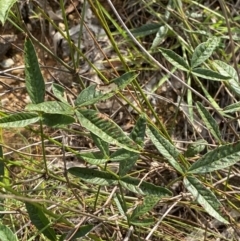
80, 44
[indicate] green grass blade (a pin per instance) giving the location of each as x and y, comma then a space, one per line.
209, 121
1, 165
144, 188
209, 74
203, 51
19, 120
95, 93
51, 107
5, 6
175, 59
204, 197
106, 129
6, 234
3, 178
143, 222
101, 178
34, 80
190, 101
40, 221
165, 148
218, 159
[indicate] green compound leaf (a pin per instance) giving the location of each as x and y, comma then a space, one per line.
195, 148
5, 6
101, 178
40, 221
144, 188
94, 158
95, 93
160, 36
233, 108
138, 132
81, 232
210, 98
209, 74
203, 51
175, 59
126, 163
148, 204
106, 129
165, 148
57, 120
146, 29
121, 155
136, 135
6, 234
122, 208
209, 121
51, 107
19, 120
228, 70
102, 145
204, 197
34, 80
218, 159
58, 92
